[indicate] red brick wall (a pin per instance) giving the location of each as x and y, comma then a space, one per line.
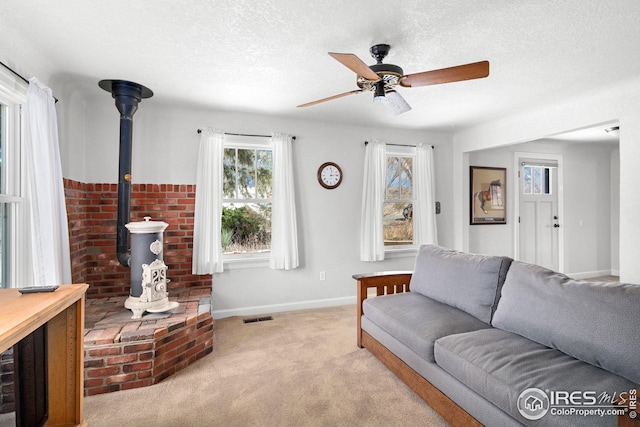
76, 200
92, 211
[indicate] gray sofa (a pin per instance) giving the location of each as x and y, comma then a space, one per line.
487, 340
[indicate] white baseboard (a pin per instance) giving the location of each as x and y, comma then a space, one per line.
276, 308
591, 274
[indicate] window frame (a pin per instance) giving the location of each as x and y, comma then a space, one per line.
247, 260
12, 98
393, 251
545, 177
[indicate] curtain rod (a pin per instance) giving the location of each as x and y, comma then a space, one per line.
14, 72
19, 75
398, 145
247, 134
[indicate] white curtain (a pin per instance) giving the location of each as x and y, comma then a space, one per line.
371, 236
424, 215
284, 234
207, 241
45, 189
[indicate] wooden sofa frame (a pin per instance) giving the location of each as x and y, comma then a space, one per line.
395, 282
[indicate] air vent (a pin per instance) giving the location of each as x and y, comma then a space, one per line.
257, 319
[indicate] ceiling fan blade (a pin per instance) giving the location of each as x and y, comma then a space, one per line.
356, 65
476, 70
309, 104
396, 103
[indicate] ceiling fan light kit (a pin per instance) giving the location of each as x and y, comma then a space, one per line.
396, 103
383, 79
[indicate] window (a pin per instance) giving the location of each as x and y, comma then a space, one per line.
13, 236
537, 179
4, 219
399, 199
246, 204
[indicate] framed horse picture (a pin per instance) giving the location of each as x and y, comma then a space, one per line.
488, 192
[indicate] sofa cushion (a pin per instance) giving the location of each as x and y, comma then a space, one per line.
417, 321
594, 322
466, 281
500, 365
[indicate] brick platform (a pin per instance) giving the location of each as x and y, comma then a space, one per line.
123, 353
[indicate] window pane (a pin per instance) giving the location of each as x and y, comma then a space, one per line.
13, 268
537, 180
246, 227
246, 212
398, 206
264, 166
398, 223
399, 178
392, 177
406, 166
246, 177
527, 180
229, 172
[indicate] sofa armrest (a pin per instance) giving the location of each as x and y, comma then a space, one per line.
630, 403
388, 282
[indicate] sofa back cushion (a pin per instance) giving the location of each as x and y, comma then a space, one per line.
597, 322
465, 281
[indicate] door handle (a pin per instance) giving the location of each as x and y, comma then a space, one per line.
556, 225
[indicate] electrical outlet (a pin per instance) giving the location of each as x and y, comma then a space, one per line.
323, 275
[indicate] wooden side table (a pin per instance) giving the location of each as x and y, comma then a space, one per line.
62, 311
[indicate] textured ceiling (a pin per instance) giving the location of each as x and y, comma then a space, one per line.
269, 56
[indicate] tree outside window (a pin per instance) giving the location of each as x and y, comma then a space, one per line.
246, 204
398, 204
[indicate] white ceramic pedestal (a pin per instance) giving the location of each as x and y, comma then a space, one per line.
138, 307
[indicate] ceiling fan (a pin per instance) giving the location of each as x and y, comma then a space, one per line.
383, 79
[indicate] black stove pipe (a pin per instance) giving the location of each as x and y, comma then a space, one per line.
127, 95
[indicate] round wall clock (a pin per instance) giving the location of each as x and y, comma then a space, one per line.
329, 175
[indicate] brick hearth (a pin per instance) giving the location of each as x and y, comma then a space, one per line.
123, 353
120, 352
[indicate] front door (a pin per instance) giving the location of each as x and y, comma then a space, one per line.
539, 220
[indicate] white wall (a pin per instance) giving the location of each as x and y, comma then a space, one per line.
615, 211
165, 140
589, 185
615, 104
587, 201
20, 55
165, 147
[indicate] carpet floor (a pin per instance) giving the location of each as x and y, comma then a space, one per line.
302, 368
